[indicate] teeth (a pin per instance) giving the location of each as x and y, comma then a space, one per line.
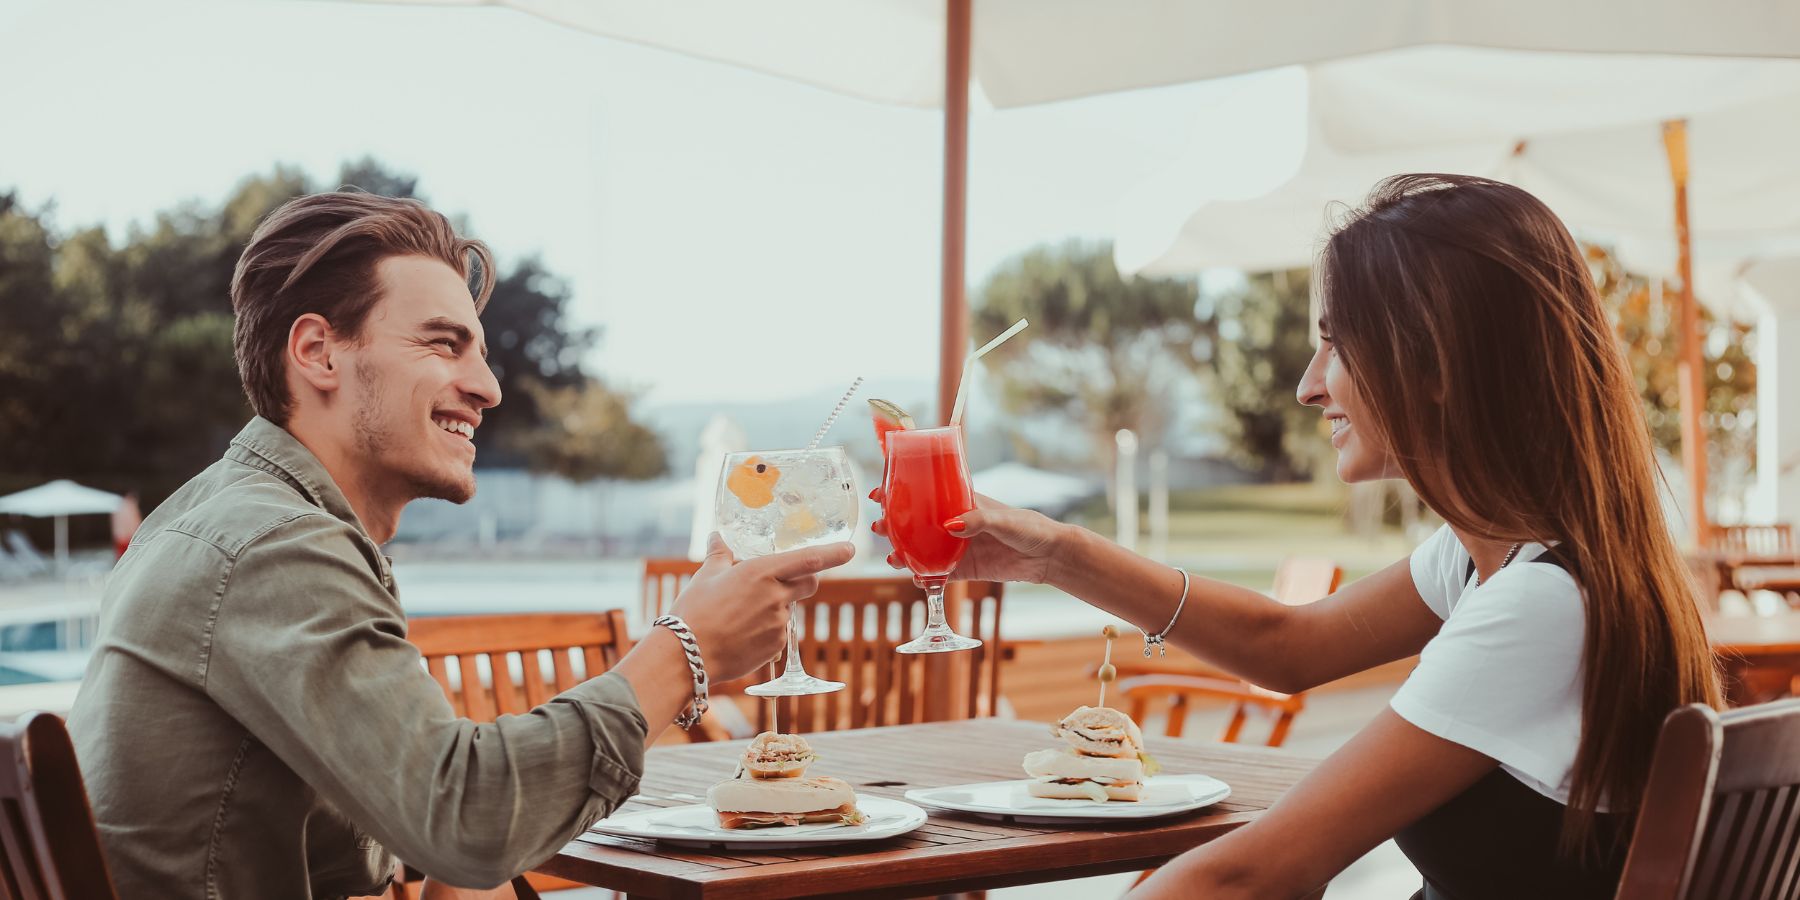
455, 427
1338, 425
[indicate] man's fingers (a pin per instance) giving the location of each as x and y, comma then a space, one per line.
809, 561
802, 587
718, 556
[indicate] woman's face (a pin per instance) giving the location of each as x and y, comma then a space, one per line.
1362, 453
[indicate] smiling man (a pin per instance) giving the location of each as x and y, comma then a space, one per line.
253, 722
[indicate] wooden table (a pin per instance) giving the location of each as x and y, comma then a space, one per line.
1761, 654
951, 852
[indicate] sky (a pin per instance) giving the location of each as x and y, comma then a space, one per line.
736, 236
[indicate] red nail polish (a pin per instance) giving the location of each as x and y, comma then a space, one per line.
955, 525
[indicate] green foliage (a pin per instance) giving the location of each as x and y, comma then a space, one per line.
1648, 319
1264, 342
1105, 352
116, 363
588, 433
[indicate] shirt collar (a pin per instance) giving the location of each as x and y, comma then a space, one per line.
273, 449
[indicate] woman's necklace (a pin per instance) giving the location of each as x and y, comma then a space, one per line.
1509, 558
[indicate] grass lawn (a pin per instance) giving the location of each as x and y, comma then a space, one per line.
1242, 532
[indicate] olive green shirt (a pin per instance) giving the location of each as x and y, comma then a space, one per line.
254, 723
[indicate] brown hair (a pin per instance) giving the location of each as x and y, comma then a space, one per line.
1467, 317
317, 254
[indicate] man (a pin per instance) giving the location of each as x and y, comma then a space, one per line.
253, 722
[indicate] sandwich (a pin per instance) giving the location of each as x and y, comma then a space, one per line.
1103, 759
770, 788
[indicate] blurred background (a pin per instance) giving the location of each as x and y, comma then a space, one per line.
695, 256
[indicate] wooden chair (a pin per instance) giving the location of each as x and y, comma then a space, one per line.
513, 663
663, 580
510, 664
1752, 540
1298, 581
1720, 818
852, 626
49, 847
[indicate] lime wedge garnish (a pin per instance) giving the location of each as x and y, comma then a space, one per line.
887, 412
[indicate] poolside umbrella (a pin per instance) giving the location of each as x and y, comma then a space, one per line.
1611, 154
60, 499
931, 53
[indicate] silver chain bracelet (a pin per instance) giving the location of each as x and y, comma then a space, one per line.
1160, 638
696, 707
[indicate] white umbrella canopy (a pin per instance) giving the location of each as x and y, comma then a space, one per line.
60, 499
1027, 52
1022, 52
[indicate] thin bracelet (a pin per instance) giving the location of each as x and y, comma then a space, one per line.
1159, 639
690, 715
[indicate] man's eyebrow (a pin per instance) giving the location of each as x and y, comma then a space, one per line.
461, 332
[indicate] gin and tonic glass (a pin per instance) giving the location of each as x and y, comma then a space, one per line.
772, 501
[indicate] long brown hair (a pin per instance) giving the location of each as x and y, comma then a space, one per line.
1468, 319
317, 254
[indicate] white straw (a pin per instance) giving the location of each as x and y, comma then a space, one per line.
832, 419
962, 389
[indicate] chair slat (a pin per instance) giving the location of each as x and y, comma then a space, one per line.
476, 703
506, 697
531, 665
565, 672
441, 674
49, 847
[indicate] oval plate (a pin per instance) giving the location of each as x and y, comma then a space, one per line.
698, 826
1164, 795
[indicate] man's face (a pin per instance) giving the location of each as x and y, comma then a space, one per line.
417, 382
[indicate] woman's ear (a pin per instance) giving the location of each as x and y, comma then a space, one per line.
311, 351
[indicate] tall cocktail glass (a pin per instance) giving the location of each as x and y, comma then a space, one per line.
779, 500
926, 485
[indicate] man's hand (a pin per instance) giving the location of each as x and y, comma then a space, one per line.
739, 611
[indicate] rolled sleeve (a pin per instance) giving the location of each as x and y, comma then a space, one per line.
310, 655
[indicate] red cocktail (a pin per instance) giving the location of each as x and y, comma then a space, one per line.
926, 485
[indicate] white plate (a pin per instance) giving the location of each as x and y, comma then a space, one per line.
698, 826
1164, 795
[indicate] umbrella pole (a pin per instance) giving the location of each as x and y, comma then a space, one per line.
953, 336
62, 544
1691, 374
941, 674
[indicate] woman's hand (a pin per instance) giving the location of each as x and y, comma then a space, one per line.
1005, 544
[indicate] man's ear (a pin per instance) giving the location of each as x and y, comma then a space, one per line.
311, 352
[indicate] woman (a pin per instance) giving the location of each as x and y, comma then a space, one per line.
1463, 348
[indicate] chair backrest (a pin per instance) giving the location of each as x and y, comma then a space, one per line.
1752, 540
512, 663
852, 626
1302, 579
663, 580
48, 846
1721, 813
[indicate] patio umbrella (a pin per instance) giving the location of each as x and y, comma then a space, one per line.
60, 499
931, 53
1611, 155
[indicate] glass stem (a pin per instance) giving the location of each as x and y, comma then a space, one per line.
934, 607
794, 665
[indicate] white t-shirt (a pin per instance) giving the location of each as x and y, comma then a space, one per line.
1503, 676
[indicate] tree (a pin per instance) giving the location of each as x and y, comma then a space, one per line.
116, 361
588, 433
1264, 342
1644, 311
1105, 352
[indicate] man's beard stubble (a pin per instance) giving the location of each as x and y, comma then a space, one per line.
375, 440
